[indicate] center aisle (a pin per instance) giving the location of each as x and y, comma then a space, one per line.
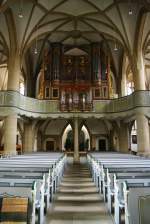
77, 200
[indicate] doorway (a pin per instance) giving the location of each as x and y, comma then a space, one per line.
102, 145
50, 146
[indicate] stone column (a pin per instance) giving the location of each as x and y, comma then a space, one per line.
28, 138
123, 138
39, 141
10, 131
124, 78
143, 142
93, 142
111, 144
76, 140
115, 139
139, 74
123, 85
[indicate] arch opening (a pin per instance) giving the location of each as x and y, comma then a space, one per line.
84, 139
67, 139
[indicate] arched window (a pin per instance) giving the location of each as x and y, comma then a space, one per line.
130, 83
21, 88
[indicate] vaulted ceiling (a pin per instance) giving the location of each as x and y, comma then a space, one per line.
72, 22
69, 21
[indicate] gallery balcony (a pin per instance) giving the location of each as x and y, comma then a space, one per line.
76, 107
12, 102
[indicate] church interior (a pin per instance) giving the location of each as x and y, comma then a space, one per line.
74, 111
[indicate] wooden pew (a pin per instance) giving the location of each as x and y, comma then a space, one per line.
14, 209
136, 203
35, 176
54, 172
113, 176
119, 200
130, 165
39, 192
57, 167
98, 163
27, 192
134, 170
31, 165
29, 169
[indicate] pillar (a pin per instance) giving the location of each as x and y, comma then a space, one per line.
115, 138
10, 131
76, 140
39, 141
28, 138
124, 78
111, 143
139, 73
124, 138
123, 85
93, 142
143, 143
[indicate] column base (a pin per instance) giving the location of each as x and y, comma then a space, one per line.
9, 153
76, 160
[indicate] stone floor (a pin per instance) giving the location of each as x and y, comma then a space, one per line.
77, 200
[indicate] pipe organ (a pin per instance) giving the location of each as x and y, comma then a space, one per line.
74, 76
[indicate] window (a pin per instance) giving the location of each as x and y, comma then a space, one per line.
105, 92
130, 87
97, 93
55, 92
21, 88
47, 92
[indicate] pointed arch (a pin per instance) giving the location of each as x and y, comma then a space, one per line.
68, 127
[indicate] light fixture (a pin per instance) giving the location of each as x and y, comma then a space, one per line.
130, 12
35, 51
36, 42
20, 14
115, 47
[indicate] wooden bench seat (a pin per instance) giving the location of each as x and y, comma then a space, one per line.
14, 209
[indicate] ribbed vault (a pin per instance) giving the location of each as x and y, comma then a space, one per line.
71, 22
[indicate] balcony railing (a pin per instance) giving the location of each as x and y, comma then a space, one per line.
13, 102
76, 107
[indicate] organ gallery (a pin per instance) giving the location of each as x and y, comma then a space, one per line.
75, 76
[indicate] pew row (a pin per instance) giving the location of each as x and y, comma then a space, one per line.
112, 171
27, 170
